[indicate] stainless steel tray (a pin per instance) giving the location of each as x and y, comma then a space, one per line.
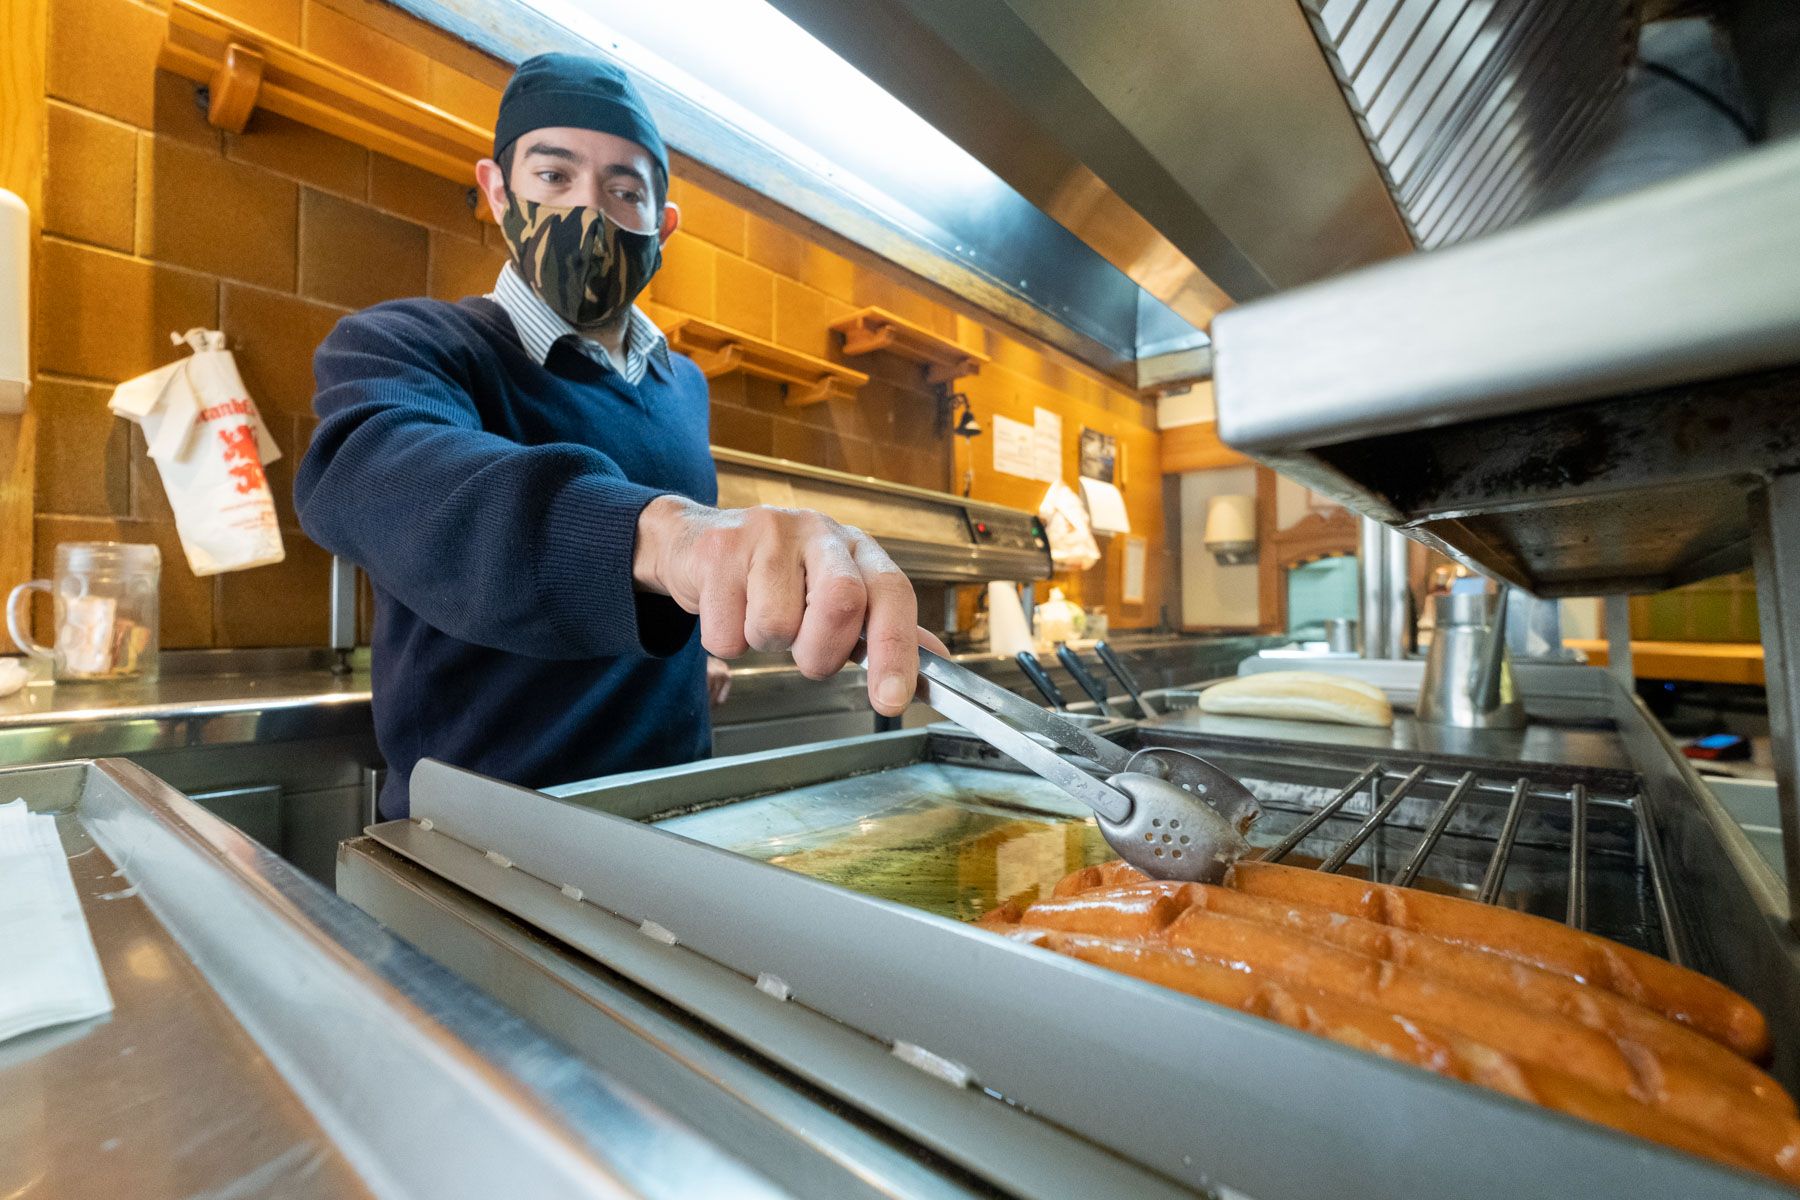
1086, 1052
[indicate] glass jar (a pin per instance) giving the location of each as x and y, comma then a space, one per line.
105, 596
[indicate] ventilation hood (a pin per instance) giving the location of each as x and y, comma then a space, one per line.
1244, 147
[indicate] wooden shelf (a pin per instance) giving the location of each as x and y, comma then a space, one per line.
1696, 662
718, 350
245, 70
874, 329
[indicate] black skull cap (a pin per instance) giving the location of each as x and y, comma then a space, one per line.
575, 91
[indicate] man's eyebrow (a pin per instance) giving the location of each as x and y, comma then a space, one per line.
547, 150
625, 170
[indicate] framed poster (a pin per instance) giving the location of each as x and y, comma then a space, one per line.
1098, 452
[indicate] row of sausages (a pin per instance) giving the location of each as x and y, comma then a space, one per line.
1498, 998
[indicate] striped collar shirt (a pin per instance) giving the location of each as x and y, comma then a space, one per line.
541, 327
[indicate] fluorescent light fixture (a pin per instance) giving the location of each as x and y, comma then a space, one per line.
753, 67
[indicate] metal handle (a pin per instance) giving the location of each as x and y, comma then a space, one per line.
1074, 666
1116, 665
1106, 801
17, 621
1022, 713
1039, 677
1485, 688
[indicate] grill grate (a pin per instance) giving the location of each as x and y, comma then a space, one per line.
1389, 807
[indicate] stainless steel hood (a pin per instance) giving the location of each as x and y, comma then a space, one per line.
1206, 151
1239, 147
1580, 405
933, 536
1606, 400
1474, 111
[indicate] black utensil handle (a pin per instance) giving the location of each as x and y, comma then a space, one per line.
1073, 665
1040, 678
1116, 665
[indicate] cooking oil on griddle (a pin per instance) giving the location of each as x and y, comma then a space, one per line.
949, 840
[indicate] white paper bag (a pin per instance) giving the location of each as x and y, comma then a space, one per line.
1065, 517
209, 445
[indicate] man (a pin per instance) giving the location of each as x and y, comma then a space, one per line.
525, 477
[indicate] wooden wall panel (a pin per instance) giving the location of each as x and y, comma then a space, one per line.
22, 126
1196, 447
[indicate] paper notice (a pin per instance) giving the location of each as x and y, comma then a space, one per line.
1047, 445
1013, 442
1106, 507
1137, 553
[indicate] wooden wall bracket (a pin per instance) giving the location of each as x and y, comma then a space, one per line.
872, 329
719, 350
246, 70
231, 96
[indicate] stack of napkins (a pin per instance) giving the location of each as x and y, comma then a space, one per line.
52, 974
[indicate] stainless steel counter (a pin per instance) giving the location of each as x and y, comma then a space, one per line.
260, 698
271, 740
168, 1096
276, 743
269, 1040
1539, 742
246, 694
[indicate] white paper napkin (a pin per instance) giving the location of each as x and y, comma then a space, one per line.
52, 974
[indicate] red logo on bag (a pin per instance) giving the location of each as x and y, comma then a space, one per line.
240, 444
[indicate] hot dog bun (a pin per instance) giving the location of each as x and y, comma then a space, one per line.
1299, 696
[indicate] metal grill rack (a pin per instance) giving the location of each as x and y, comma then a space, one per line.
1570, 843
1573, 849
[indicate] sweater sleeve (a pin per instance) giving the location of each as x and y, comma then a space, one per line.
526, 549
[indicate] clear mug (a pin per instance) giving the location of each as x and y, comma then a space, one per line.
105, 596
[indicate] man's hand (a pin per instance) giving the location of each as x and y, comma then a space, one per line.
785, 579
718, 680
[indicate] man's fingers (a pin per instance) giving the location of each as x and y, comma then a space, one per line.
722, 616
892, 629
835, 601
775, 593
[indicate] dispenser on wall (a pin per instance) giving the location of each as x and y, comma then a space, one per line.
1231, 530
15, 302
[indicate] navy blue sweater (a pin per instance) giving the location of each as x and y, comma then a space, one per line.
494, 504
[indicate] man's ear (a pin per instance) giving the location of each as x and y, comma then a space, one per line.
671, 221
492, 182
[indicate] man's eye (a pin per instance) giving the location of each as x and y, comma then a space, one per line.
552, 177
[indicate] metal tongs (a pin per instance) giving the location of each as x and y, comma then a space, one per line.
1170, 814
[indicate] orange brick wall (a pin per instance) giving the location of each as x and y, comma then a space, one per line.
154, 221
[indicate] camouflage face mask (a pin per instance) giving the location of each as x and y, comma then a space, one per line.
585, 266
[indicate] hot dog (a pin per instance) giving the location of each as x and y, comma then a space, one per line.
1424, 1044
1172, 915
1682, 995
1632, 1068
1486, 974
